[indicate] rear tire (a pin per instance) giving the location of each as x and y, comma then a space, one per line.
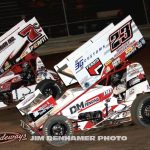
57, 126
49, 87
140, 110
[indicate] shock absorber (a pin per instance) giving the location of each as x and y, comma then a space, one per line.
106, 105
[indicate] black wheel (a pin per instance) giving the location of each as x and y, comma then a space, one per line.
49, 87
6, 98
57, 126
140, 110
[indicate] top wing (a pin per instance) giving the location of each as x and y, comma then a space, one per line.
19, 41
63, 69
92, 61
12, 30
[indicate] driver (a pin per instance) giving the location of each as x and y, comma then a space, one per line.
119, 83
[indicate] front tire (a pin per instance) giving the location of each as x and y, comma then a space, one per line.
49, 87
57, 126
140, 110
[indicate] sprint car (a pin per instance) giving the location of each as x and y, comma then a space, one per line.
124, 98
21, 69
111, 90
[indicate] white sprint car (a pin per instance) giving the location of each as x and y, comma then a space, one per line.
113, 90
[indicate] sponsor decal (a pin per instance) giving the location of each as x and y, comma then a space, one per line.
109, 62
96, 52
38, 43
120, 36
107, 92
83, 105
34, 35
6, 137
24, 102
134, 69
95, 67
32, 32
107, 69
128, 50
90, 102
121, 49
79, 63
7, 43
134, 81
131, 48
42, 109
116, 62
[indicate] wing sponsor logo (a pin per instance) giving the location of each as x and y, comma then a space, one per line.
32, 32
95, 67
79, 64
116, 62
121, 49
120, 36
95, 53
7, 43
38, 43
34, 35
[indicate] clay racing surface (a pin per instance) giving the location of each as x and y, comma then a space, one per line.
138, 137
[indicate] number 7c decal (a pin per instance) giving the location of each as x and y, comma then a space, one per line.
31, 32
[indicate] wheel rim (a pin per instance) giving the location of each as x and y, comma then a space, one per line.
47, 91
58, 129
145, 112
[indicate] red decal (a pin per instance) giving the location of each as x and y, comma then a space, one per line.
141, 76
120, 36
45, 104
95, 67
88, 125
30, 32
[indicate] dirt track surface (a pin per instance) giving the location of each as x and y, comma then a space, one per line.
138, 137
